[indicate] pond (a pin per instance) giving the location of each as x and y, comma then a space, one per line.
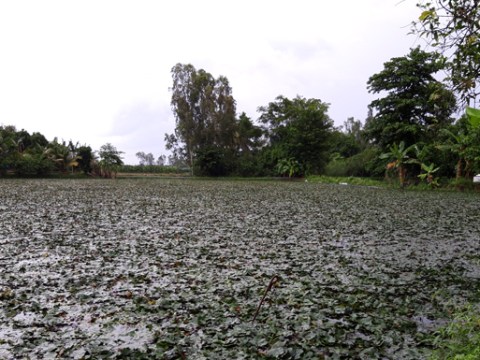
158, 268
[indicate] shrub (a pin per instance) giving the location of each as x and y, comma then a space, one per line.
33, 165
211, 161
460, 339
364, 164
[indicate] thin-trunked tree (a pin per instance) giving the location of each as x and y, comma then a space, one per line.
204, 110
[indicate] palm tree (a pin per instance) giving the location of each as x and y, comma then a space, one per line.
63, 155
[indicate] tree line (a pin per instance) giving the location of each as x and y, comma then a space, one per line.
410, 130
419, 128
25, 154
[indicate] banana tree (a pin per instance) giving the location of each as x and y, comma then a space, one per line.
457, 144
426, 171
427, 174
464, 143
399, 156
290, 167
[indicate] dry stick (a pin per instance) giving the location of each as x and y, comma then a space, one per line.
273, 281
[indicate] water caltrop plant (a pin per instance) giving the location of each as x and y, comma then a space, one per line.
159, 268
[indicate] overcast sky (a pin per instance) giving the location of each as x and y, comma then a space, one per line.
99, 71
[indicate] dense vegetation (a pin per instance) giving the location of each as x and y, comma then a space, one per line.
28, 155
411, 131
419, 129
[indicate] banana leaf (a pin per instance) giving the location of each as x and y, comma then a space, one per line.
473, 117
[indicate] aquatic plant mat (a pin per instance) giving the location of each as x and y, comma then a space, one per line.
193, 269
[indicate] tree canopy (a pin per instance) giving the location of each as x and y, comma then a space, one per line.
298, 129
204, 110
208, 133
415, 106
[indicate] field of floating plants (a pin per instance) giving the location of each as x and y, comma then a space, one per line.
205, 269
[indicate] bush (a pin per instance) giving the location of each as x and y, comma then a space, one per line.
211, 161
248, 164
337, 168
364, 164
33, 165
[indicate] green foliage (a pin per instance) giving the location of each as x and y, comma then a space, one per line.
86, 157
110, 160
211, 161
64, 155
204, 109
364, 164
463, 141
249, 164
33, 165
427, 174
248, 136
416, 105
23, 154
473, 116
208, 134
298, 129
345, 145
399, 154
350, 180
460, 339
289, 167
145, 159
338, 167
461, 184
453, 26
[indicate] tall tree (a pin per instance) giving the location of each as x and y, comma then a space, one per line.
204, 110
298, 129
453, 26
416, 105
